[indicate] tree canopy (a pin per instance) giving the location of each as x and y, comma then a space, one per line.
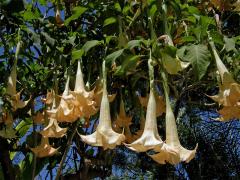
119, 89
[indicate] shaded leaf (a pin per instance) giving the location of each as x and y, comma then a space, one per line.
199, 56
90, 44
134, 43
77, 12
109, 21
112, 57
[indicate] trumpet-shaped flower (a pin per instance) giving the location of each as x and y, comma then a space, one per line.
173, 142
150, 138
11, 89
53, 130
65, 112
104, 135
124, 121
229, 91
83, 100
44, 149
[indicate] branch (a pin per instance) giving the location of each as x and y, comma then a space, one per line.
66, 151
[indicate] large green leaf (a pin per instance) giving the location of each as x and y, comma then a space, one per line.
109, 21
134, 43
199, 56
90, 44
77, 12
229, 44
128, 65
112, 57
24, 126
77, 54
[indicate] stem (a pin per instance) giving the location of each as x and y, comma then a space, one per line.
66, 151
104, 76
151, 70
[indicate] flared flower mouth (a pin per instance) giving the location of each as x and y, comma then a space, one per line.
15, 99
53, 129
104, 135
172, 141
83, 100
150, 139
44, 149
65, 111
123, 122
229, 91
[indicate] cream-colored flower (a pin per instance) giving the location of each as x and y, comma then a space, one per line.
123, 122
65, 112
150, 138
11, 90
53, 129
172, 141
229, 91
44, 149
104, 135
83, 100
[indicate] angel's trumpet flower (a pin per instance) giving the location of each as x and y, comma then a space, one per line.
150, 138
229, 90
161, 107
104, 135
172, 139
53, 130
49, 97
83, 100
44, 149
65, 112
123, 121
11, 86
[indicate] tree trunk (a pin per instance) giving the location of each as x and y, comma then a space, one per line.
5, 160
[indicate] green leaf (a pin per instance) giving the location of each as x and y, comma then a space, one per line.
199, 56
48, 38
153, 10
77, 12
172, 65
109, 21
24, 126
112, 57
26, 166
29, 15
90, 44
77, 54
229, 44
187, 39
134, 43
129, 64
